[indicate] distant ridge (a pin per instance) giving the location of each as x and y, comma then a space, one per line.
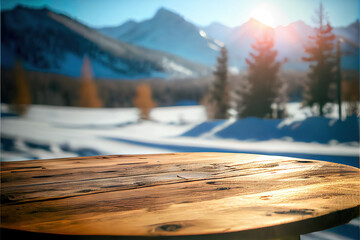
47, 41
169, 32
164, 46
174, 38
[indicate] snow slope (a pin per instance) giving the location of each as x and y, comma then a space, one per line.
314, 129
168, 32
47, 41
113, 131
56, 132
50, 132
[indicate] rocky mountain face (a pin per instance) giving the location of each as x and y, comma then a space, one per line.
169, 32
289, 42
165, 46
50, 42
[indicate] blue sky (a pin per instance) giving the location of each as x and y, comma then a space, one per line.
98, 13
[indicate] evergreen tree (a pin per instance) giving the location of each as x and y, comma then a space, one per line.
263, 83
143, 100
88, 90
22, 97
220, 91
320, 52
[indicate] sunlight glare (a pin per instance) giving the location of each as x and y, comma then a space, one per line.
263, 15
202, 33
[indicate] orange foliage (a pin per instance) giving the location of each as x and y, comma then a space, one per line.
350, 91
143, 100
88, 90
22, 96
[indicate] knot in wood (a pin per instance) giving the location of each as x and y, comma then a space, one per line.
170, 227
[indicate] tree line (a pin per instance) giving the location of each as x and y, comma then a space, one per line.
20, 88
261, 91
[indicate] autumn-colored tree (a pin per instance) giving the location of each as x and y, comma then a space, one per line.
320, 53
22, 96
263, 83
143, 100
88, 90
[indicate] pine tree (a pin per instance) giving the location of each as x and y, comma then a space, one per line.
263, 83
220, 89
320, 52
22, 97
88, 90
143, 100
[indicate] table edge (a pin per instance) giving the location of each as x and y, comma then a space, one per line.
278, 231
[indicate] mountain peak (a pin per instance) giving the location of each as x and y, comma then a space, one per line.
21, 7
254, 23
130, 22
164, 13
253, 20
298, 23
355, 24
217, 25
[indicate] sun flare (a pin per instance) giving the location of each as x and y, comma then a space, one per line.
263, 15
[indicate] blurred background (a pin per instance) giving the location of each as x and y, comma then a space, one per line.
83, 78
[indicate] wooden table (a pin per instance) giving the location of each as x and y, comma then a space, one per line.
176, 196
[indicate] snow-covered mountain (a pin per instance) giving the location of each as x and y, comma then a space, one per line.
115, 32
239, 39
349, 45
169, 32
217, 31
289, 41
47, 41
167, 45
350, 32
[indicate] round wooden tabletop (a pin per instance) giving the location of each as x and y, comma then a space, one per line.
209, 195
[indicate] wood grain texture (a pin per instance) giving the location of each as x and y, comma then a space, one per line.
207, 195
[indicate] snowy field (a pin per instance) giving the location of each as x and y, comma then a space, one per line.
56, 132
53, 132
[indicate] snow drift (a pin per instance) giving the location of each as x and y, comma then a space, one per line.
313, 129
